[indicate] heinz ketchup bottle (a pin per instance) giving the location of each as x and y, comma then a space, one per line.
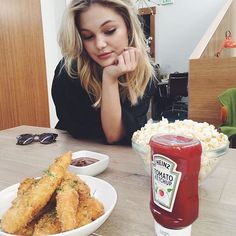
174, 180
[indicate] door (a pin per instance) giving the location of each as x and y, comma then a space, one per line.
23, 85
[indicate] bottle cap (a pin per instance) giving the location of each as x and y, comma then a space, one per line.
162, 231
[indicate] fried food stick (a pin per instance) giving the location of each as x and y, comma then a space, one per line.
42, 221
93, 207
25, 185
89, 210
83, 189
27, 230
83, 216
24, 210
67, 201
48, 224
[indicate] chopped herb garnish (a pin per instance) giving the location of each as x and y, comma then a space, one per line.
49, 173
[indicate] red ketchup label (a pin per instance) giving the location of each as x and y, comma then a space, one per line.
175, 168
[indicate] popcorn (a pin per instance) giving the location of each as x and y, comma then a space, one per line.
207, 134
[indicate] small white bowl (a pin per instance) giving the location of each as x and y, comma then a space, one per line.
92, 169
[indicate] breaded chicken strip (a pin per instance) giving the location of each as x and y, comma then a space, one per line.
83, 216
48, 224
93, 207
83, 189
67, 201
89, 209
29, 205
27, 230
25, 185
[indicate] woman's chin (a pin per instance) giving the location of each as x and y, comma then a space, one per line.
106, 63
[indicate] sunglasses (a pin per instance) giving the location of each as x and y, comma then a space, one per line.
45, 138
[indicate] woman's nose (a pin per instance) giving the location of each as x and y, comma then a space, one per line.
101, 43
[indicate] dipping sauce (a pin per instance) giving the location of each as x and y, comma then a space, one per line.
83, 161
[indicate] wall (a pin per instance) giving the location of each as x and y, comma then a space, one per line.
52, 12
179, 27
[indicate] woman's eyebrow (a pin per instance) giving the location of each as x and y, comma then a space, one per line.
106, 22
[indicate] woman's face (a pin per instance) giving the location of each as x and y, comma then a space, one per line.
104, 34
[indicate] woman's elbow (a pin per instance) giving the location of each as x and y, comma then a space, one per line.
113, 138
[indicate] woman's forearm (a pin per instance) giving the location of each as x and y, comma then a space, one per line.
111, 114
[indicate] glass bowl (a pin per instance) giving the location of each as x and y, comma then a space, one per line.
214, 144
209, 159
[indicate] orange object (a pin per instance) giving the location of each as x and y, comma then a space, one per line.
223, 114
227, 43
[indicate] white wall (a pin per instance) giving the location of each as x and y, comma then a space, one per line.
179, 28
52, 12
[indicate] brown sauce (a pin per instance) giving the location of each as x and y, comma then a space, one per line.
83, 161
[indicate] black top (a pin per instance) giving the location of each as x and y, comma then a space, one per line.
77, 116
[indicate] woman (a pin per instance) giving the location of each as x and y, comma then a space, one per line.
103, 84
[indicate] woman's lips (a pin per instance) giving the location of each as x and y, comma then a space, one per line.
104, 55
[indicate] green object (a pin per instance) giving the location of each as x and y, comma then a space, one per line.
228, 99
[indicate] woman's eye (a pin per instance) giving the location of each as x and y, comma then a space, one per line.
109, 32
86, 37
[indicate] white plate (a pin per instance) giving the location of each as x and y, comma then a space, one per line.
100, 189
92, 169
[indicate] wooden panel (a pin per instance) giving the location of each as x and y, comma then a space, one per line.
23, 87
207, 79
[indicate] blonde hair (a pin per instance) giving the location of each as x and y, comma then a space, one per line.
134, 83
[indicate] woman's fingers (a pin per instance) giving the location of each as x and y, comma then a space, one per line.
121, 64
126, 62
127, 59
131, 56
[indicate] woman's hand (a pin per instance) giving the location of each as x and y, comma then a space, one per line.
126, 62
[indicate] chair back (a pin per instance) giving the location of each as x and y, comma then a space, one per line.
178, 85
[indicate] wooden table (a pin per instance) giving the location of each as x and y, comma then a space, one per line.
131, 216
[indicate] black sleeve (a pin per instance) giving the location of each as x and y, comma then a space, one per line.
74, 107
135, 117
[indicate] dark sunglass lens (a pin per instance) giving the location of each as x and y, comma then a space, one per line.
24, 139
47, 138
